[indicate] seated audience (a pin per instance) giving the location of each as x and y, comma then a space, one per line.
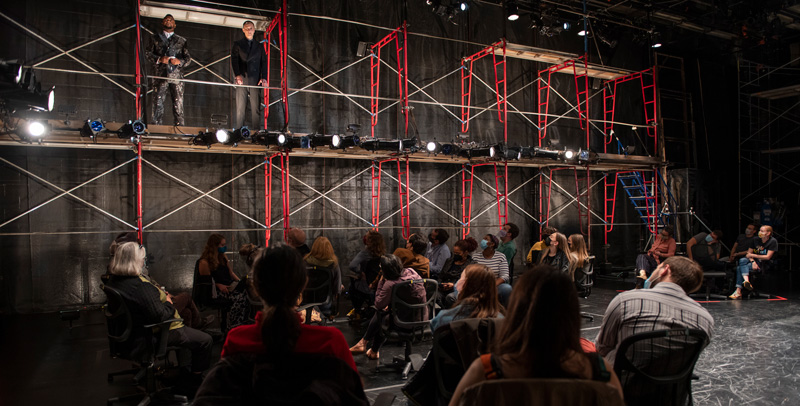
743, 242
758, 257
393, 273
322, 255
451, 272
533, 254
419, 247
363, 271
663, 247
437, 252
214, 264
149, 304
296, 239
579, 257
249, 252
707, 243
259, 361
537, 342
477, 299
496, 262
507, 246
557, 253
664, 303
409, 260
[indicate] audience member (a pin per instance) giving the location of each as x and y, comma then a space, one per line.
496, 262
743, 242
438, 252
451, 273
262, 363
557, 253
296, 238
249, 67
364, 269
507, 246
419, 246
533, 254
409, 260
477, 299
758, 257
663, 247
393, 273
150, 304
249, 252
707, 243
215, 264
664, 303
322, 255
577, 247
536, 341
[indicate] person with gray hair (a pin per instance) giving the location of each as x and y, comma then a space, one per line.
150, 304
249, 67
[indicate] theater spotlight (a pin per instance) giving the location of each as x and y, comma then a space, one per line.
526, 152
223, 136
433, 147
11, 71
37, 129
232, 137
512, 10
569, 154
322, 140
478, 152
269, 138
508, 153
204, 138
298, 142
545, 153
450, 149
344, 141
409, 144
92, 127
132, 129
29, 100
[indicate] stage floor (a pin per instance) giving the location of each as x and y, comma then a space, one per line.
753, 358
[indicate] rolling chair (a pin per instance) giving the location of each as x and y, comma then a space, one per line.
710, 274
655, 368
318, 291
583, 282
541, 392
409, 321
140, 344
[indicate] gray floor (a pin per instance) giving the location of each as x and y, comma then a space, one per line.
752, 359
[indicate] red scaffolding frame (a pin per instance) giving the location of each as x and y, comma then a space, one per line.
583, 216
468, 178
581, 90
269, 167
466, 85
402, 73
280, 22
402, 190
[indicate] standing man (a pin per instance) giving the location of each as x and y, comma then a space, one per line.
437, 253
249, 66
169, 54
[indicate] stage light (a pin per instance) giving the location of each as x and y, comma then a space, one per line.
322, 140
512, 10
463, 6
583, 155
508, 153
569, 154
566, 26
222, 136
450, 149
344, 141
298, 142
656, 40
478, 152
12, 71
269, 138
204, 138
30, 100
545, 153
433, 147
390, 145
37, 128
583, 33
92, 127
132, 129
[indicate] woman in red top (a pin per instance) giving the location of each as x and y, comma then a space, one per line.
663, 248
280, 276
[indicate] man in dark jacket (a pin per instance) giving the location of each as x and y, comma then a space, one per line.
249, 66
169, 54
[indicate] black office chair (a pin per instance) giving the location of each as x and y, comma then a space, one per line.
584, 282
702, 255
410, 321
655, 368
204, 296
318, 291
140, 344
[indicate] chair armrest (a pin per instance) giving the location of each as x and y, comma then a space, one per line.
163, 336
161, 323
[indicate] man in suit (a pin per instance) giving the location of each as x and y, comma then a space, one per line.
249, 66
169, 54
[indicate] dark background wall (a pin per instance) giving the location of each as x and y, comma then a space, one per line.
54, 256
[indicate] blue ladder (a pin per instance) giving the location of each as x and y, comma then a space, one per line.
643, 201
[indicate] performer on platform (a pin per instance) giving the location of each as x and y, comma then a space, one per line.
249, 66
169, 54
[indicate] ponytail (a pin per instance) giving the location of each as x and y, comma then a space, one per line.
280, 330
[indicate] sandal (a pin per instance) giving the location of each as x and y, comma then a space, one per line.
373, 355
747, 285
735, 297
359, 348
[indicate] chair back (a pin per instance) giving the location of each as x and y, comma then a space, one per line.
118, 318
413, 304
456, 345
202, 287
655, 368
541, 392
583, 278
318, 290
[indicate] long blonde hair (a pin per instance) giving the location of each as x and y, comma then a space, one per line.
562, 246
579, 253
322, 250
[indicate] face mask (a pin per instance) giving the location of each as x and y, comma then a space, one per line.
457, 258
709, 238
761, 235
484, 244
222, 250
749, 232
502, 233
547, 241
649, 282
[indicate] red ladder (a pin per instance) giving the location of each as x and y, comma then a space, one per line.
268, 171
466, 201
609, 106
402, 73
467, 183
648, 82
281, 24
402, 189
500, 85
608, 215
583, 214
581, 95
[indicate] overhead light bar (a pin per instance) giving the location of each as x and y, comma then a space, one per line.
201, 15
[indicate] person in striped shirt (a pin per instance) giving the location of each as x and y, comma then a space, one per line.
496, 262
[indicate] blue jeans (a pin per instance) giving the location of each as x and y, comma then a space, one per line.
742, 270
503, 293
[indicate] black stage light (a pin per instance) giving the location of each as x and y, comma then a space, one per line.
526, 152
37, 129
344, 141
376, 144
478, 152
29, 100
205, 138
298, 142
509, 153
450, 149
232, 137
322, 140
269, 138
11, 71
132, 129
223, 136
433, 147
512, 10
92, 127
568, 154
463, 5
545, 153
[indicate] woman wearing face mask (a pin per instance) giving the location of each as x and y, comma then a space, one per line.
215, 264
496, 262
557, 254
455, 265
